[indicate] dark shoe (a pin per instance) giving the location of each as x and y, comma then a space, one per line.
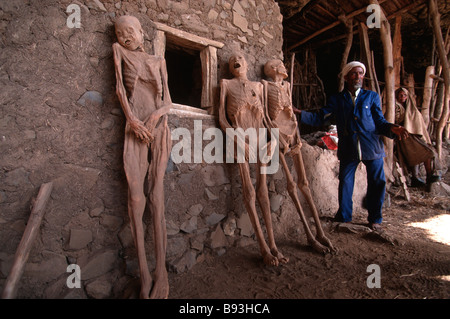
433, 179
417, 182
364, 203
339, 219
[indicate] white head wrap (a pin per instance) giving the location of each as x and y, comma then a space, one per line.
350, 66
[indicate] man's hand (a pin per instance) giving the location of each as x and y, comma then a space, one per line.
400, 131
296, 110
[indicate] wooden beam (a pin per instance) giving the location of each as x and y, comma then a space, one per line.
385, 34
396, 3
187, 39
305, 84
208, 57
314, 35
331, 40
303, 11
159, 43
409, 82
291, 74
386, 40
436, 23
437, 78
322, 9
348, 45
26, 243
397, 50
427, 92
365, 48
328, 27
375, 79
406, 9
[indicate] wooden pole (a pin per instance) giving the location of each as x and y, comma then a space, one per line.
328, 27
292, 72
410, 85
427, 92
366, 53
389, 75
397, 50
26, 243
437, 111
348, 45
436, 22
374, 73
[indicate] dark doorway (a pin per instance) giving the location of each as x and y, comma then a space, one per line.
185, 76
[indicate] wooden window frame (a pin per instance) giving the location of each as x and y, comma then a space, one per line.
208, 57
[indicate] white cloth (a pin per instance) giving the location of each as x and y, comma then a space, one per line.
350, 66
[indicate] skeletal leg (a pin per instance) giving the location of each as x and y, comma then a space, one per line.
292, 190
159, 156
262, 194
135, 165
303, 185
250, 204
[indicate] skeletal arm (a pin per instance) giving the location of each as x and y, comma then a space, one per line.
223, 121
163, 99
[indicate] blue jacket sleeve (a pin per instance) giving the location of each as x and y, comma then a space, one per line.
319, 118
382, 125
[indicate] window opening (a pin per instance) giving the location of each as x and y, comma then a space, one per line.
184, 75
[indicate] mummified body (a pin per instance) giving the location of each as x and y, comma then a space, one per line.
280, 115
242, 102
143, 93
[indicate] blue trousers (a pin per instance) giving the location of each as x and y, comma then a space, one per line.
376, 188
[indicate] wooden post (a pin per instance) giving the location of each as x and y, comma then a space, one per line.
208, 56
427, 91
435, 17
374, 73
366, 55
437, 111
409, 82
446, 131
26, 243
389, 75
292, 72
397, 50
402, 179
348, 45
159, 43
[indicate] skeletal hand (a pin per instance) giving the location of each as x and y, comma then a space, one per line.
141, 131
284, 146
268, 149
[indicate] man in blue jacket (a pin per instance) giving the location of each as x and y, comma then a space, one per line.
360, 124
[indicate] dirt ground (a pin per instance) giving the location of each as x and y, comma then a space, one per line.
414, 265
